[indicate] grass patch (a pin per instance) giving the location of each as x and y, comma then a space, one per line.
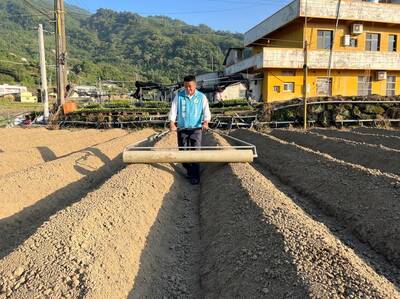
20, 106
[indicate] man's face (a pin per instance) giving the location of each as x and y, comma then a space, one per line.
190, 87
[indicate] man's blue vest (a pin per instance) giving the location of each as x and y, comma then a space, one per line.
190, 111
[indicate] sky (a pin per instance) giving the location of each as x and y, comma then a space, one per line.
230, 15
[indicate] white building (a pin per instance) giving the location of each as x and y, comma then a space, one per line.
12, 89
233, 88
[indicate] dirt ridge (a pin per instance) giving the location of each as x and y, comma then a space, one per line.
369, 156
352, 199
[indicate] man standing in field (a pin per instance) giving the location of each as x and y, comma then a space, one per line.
190, 115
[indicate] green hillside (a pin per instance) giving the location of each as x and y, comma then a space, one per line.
109, 45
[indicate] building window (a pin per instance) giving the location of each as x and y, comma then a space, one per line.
325, 38
391, 86
364, 85
353, 42
373, 42
392, 43
324, 86
277, 89
288, 87
289, 73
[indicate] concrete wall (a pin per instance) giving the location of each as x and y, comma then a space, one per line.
290, 36
277, 20
345, 28
319, 59
255, 62
235, 91
345, 83
352, 10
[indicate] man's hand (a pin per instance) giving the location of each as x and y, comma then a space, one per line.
205, 125
172, 126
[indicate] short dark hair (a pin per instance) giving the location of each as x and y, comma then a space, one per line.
189, 78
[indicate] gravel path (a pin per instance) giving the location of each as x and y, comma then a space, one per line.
383, 140
367, 155
54, 148
364, 201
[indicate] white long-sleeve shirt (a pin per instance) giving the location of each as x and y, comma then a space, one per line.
173, 113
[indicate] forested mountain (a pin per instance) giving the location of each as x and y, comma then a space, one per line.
109, 45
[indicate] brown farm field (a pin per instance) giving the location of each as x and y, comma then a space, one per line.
317, 215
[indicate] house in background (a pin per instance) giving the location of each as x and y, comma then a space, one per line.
84, 91
359, 56
219, 87
16, 90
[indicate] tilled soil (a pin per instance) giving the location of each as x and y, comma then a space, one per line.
29, 197
140, 224
370, 156
55, 178
365, 201
259, 244
147, 233
385, 132
53, 148
392, 142
16, 139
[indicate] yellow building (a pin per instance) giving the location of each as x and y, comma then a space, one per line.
27, 97
352, 49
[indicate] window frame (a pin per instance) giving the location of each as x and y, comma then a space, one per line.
323, 39
327, 81
369, 42
355, 44
369, 86
392, 43
287, 84
276, 88
391, 91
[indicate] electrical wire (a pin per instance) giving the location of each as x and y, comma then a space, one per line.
33, 6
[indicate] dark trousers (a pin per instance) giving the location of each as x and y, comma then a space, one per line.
190, 137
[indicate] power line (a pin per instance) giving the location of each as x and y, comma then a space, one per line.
33, 6
187, 12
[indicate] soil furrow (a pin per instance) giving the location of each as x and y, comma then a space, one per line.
361, 200
387, 141
31, 196
13, 142
12, 161
133, 237
370, 156
259, 244
385, 132
85, 226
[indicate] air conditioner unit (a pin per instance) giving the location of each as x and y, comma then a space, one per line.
346, 40
381, 75
357, 29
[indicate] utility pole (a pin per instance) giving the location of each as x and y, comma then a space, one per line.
61, 50
305, 67
43, 74
305, 82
